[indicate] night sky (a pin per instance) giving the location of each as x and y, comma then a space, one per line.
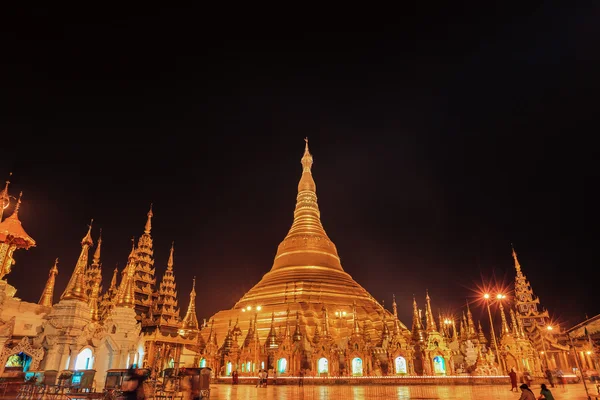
439, 136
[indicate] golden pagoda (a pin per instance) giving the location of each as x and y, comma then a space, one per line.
308, 281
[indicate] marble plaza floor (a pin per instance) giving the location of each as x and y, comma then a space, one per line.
415, 392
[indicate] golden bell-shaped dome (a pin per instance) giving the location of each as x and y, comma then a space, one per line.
306, 278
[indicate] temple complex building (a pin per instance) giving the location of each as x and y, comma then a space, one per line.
306, 314
537, 327
89, 329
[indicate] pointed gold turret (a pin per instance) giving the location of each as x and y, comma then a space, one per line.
190, 321
517, 265
127, 297
126, 294
47, 298
431, 327
94, 280
417, 326
505, 329
167, 308
76, 289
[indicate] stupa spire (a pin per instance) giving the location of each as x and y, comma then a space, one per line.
47, 298
148, 226
126, 292
144, 270
190, 321
429, 315
417, 326
306, 243
109, 297
517, 265
481, 336
76, 287
167, 309
505, 328
94, 280
470, 322
297, 333
513, 323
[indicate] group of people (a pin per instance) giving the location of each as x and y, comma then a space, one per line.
526, 392
263, 376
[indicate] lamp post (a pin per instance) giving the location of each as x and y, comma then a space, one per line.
447, 323
544, 351
487, 301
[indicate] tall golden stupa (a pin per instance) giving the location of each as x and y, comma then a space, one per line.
306, 288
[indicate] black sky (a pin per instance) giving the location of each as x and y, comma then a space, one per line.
440, 137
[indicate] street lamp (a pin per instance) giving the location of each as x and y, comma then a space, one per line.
447, 323
487, 301
544, 352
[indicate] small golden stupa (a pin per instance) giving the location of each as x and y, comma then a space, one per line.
306, 286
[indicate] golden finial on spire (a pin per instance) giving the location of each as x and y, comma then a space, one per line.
170, 262
514, 254
148, 226
190, 321
307, 158
98, 246
47, 297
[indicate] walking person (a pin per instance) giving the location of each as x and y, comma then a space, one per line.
513, 380
549, 376
301, 378
526, 393
560, 376
545, 393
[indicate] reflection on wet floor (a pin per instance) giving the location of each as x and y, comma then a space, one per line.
414, 392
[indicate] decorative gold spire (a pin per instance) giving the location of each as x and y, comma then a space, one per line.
167, 309
297, 333
513, 323
517, 265
505, 328
47, 298
94, 280
428, 314
470, 322
126, 293
144, 274
394, 307
148, 226
417, 326
109, 298
76, 289
113, 281
306, 243
190, 321
271, 342
481, 336
127, 297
